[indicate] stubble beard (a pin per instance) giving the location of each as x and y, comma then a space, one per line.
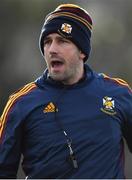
67, 76
61, 76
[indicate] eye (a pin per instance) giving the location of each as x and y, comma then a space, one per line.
47, 41
63, 40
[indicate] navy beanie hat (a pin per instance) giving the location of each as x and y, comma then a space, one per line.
71, 22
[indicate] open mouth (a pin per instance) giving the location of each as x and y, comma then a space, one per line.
56, 63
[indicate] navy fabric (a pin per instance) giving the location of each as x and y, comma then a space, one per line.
96, 135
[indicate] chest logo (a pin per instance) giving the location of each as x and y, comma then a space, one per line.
108, 106
50, 107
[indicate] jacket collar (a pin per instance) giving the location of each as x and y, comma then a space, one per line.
45, 80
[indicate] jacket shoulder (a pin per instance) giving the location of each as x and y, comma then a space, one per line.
114, 82
23, 91
13, 98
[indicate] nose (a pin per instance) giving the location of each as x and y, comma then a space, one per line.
53, 47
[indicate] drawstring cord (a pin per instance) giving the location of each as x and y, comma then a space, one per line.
68, 139
72, 155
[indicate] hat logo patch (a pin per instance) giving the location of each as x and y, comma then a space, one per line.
67, 28
108, 106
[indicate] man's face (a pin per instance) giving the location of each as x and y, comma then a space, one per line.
64, 60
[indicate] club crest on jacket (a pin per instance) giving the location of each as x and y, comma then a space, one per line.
108, 105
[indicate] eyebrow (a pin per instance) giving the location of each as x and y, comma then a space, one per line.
57, 37
46, 38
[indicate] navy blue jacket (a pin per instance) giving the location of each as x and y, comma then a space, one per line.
95, 114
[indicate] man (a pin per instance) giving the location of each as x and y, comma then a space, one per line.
71, 121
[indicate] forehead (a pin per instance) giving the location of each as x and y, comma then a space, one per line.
53, 36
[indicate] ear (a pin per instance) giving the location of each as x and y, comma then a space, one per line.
82, 55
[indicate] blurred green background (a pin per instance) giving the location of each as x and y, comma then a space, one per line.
20, 58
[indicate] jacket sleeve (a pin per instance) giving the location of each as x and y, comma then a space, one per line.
11, 131
127, 128
10, 140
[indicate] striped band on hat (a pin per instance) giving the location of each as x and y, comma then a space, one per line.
71, 15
